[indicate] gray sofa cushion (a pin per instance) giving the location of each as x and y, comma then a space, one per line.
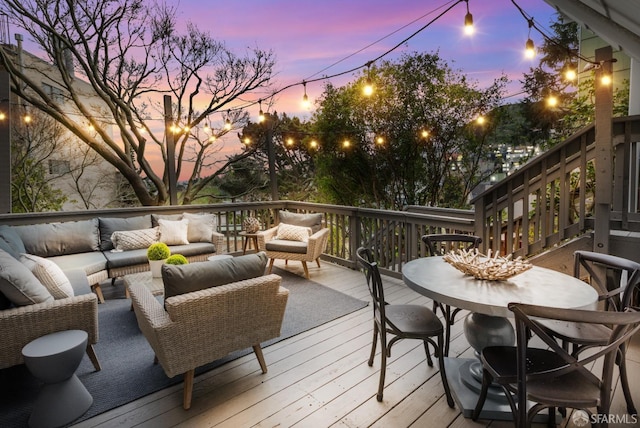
108, 225
55, 239
180, 279
286, 246
314, 221
78, 280
10, 241
18, 284
90, 263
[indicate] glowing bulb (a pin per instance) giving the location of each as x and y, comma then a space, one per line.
605, 79
207, 128
2, 116
27, 119
186, 129
306, 104
313, 144
368, 88
380, 140
468, 24
529, 49
91, 128
346, 144
289, 142
212, 138
227, 124
570, 74
246, 141
424, 133
480, 120
552, 101
260, 117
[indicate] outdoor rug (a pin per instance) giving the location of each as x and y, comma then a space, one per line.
128, 372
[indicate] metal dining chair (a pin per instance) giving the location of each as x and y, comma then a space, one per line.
401, 322
439, 245
617, 281
552, 377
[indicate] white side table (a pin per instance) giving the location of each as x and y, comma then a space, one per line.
54, 359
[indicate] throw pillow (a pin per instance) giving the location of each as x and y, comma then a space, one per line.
50, 275
18, 284
180, 279
314, 221
201, 227
289, 232
124, 240
57, 239
173, 232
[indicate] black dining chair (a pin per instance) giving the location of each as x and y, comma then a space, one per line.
439, 245
550, 376
401, 322
617, 281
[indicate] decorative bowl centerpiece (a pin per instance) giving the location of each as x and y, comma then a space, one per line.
251, 224
480, 266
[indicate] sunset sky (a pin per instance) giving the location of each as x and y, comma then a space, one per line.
307, 37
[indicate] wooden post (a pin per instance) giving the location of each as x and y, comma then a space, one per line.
273, 179
604, 150
171, 151
5, 143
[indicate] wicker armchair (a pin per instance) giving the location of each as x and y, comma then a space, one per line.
303, 252
203, 326
21, 325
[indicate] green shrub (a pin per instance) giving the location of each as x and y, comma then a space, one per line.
177, 259
158, 251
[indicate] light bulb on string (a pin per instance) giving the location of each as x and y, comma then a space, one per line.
468, 22
27, 119
379, 140
424, 133
313, 144
227, 123
552, 101
212, 138
570, 74
529, 47
261, 113
367, 90
346, 144
480, 120
305, 98
605, 79
207, 127
3, 116
289, 142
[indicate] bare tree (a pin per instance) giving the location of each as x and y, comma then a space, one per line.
130, 54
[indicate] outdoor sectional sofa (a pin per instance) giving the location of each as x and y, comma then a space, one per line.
87, 244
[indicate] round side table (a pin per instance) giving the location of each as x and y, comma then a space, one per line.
246, 237
54, 359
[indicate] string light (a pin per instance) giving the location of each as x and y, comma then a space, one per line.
424, 133
605, 79
246, 141
552, 101
305, 99
212, 138
368, 86
346, 144
27, 119
313, 144
2, 116
227, 122
380, 140
480, 120
468, 22
570, 74
260, 114
529, 47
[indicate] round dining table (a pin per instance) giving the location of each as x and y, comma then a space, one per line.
487, 323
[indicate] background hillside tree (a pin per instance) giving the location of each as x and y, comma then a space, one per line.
417, 93
131, 54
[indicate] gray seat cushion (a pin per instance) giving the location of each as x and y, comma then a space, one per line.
108, 225
90, 263
126, 258
193, 249
284, 246
10, 241
55, 239
180, 279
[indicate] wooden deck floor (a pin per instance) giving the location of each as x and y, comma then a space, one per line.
320, 378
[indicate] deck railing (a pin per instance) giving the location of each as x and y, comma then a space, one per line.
393, 235
550, 199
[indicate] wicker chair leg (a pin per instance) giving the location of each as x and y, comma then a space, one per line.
91, 353
96, 289
188, 389
258, 351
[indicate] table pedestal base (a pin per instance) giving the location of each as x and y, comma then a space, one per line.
465, 389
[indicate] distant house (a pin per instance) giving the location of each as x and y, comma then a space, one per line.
85, 178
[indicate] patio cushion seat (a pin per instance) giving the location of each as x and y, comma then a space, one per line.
92, 262
286, 246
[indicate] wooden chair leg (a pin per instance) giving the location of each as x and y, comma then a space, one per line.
306, 269
270, 265
91, 353
96, 289
188, 389
258, 351
318, 261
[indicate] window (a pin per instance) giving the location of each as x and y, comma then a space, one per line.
55, 93
59, 167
